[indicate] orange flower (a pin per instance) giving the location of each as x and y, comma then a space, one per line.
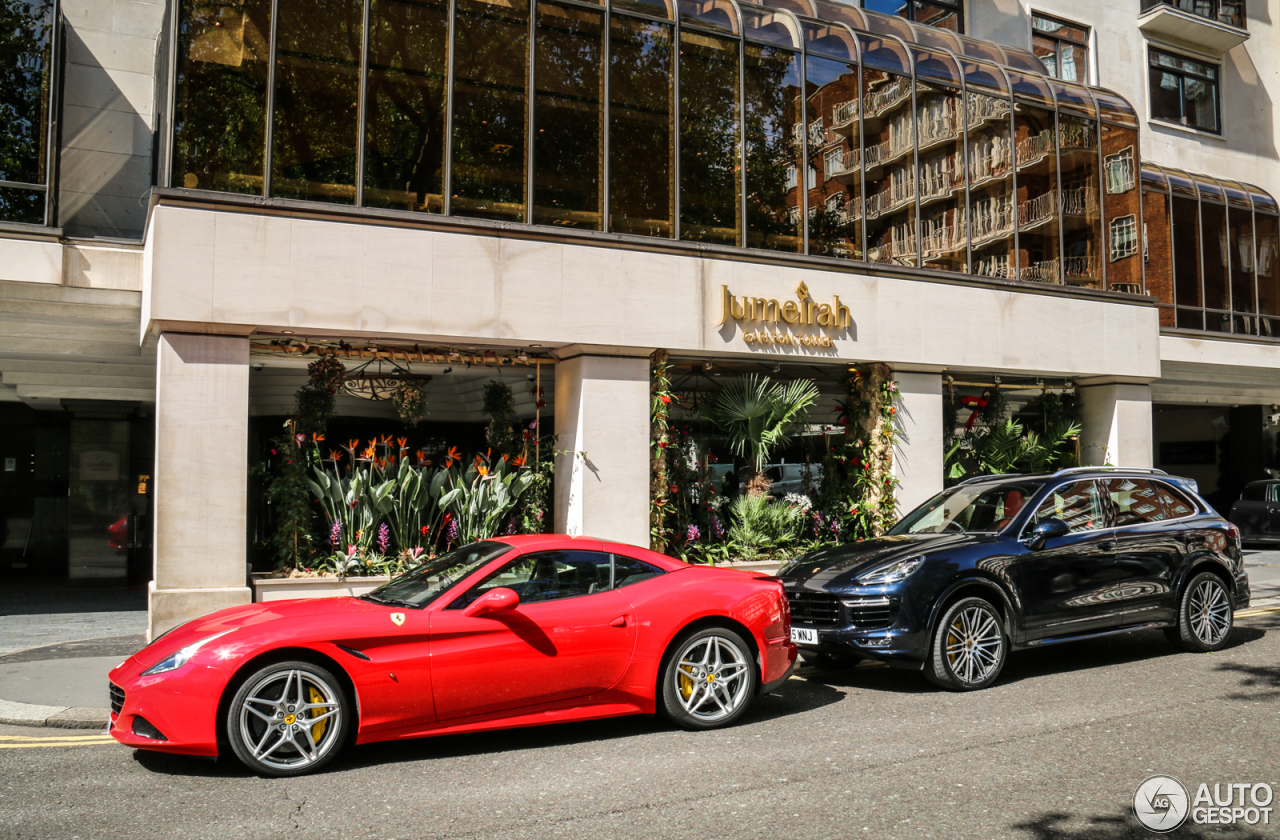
352, 444
373, 443
479, 462
386, 440
404, 442
391, 459
451, 457
368, 453
336, 454
482, 470
422, 457
317, 438
517, 461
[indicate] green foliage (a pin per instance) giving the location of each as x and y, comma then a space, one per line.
1009, 448
758, 416
316, 402
285, 488
410, 402
761, 524
481, 498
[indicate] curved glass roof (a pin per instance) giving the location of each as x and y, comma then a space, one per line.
1237, 193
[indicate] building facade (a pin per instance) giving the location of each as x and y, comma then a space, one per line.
196, 196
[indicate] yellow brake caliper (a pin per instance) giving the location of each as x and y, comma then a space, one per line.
317, 731
686, 685
952, 640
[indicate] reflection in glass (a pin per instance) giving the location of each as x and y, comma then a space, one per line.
1120, 198
771, 80
491, 67
568, 122
889, 167
1243, 266
1038, 198
405, 132
990, 171
641, 136
1266, 272
1213, 225
25, 206
315, 126
940, 127
831, 91
1186, 259
220, 96
1081, 212
709, 186
1156, 253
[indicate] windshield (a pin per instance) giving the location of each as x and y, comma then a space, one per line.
969, 508
423, 584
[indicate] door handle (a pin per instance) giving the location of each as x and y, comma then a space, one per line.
620, 621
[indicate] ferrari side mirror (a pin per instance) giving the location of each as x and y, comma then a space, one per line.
493, 601
1044, 531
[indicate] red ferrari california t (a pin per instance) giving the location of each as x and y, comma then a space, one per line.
514, 631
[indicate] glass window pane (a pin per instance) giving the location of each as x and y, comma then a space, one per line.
1166, 95
1115, 108
709, 164
715, 14
1079, 505
490, 72
990, 172
1201, 106
404, 138
657, 8
831, 91
1121, 198
777, 28
1213, 222
315, 126
220, 96
568, 119
1186, 253
771, 80
1047, 51
1157, 251
24, 111
1243, 267
940, 177
887, 156
641, 137
1265, 268
25, 206
942, 17
936, 67
1038, 198
1081, 210
885, 54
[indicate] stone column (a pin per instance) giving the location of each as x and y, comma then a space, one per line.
917, 459
602, 469
201, 474
1116, 424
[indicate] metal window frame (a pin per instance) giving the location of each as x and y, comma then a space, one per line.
1182, 76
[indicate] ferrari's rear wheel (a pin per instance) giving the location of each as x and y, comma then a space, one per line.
288, 719
709, 680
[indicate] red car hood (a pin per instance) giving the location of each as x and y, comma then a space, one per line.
248, 615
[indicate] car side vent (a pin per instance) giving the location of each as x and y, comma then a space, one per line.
358, 654
145, 729
871, 613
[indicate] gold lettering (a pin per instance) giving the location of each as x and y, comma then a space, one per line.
843, 318
824, 315
790, 312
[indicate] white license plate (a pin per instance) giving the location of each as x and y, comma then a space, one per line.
804, 636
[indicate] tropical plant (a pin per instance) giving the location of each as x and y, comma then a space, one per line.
481, 499
1009, 448
316, 402
759, 417
410, 402
500, 405
284, 475
762, 524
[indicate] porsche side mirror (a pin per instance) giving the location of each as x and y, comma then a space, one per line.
1044, 531
493, 601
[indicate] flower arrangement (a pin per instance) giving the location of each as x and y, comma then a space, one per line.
410, 402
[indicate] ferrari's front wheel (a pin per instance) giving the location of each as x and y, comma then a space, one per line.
709, 679
288, 719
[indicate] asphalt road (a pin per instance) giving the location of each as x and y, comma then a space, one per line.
1054, 750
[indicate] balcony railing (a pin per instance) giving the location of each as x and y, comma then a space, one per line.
996, 265
1230, 12
1079, 268
877, 102
992, 221
980, 108
1045, 271
892, 249
844, 113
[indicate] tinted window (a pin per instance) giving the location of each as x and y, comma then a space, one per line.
1077, 504
1253, 493
968, 507
1135, 500
1175, 504
628, 570
546, 576
423, 584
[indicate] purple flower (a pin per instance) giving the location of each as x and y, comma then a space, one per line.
818, 523
511, 526
335, 534
835, 527
716, 527
384, 538
693, 534
451, 533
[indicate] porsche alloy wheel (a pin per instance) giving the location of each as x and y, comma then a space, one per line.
1206, 616
709, 680
968, 648
288, 719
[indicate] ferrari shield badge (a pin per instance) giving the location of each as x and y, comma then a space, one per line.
397, 618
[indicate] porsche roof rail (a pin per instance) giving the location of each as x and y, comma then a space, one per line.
978, 478
1148, 470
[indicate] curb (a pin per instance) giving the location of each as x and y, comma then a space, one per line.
60, 717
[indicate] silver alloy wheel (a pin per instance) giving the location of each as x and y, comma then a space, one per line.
289, 719
712, 680
1209, 612
974, 645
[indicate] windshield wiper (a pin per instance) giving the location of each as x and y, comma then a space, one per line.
391, 602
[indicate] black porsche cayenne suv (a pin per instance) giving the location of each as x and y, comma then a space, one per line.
1002, 563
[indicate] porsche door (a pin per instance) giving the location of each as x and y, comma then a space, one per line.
571, 635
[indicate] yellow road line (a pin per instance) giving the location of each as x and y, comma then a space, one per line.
1261, 611
56, 744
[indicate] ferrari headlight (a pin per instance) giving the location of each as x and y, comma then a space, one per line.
891, 573
179, 658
